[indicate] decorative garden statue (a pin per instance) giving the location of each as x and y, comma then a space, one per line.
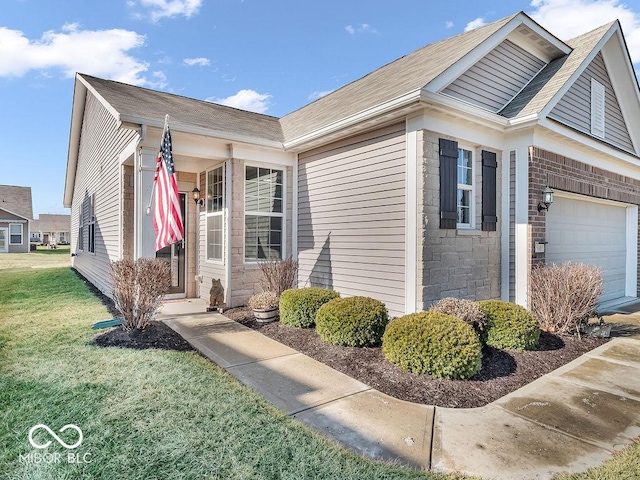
216, 296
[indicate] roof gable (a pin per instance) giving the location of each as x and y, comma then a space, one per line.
16, 200
47, 222
400, 77
7, 215
497, 77
574, 108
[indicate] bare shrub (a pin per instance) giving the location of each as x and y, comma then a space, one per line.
278, 275
138, 289
465, 310
562, 296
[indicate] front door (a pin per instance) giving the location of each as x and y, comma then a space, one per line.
176, 256
4, 245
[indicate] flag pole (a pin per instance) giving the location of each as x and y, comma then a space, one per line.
155, 177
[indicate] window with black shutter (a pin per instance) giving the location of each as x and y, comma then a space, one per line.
448, 183
489, 215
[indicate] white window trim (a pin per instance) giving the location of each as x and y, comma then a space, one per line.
283, 215
21, 233
221, 213
471, 188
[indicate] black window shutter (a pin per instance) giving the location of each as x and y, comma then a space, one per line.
489, 215
448, 183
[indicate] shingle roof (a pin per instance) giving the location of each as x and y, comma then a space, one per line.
151, 104
407, 74
17, 200
535, 96
48, 222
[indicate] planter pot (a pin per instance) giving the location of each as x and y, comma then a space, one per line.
265, 316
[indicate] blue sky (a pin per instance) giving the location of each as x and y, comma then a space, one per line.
266, 56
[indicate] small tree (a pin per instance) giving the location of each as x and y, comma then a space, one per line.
138, 289
278, 275
562, 296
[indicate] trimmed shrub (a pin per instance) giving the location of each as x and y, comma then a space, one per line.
430, 342
465, 310
509, 326
352, 322
562, 296
298, 307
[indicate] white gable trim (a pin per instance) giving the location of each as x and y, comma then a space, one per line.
25, 219
471, 58
576, 74
625, 84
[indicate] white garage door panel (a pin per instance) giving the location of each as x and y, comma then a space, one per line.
588, 232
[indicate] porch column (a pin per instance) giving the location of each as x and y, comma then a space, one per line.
144, 234
521, 231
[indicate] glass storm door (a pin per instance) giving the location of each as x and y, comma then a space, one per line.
176, 256
4, 245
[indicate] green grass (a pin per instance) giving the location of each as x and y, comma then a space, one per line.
43, 257
144, 414
152, 414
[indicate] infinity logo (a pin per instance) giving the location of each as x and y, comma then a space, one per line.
34, 444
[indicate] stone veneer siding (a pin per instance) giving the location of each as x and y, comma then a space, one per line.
566, 174
453, 263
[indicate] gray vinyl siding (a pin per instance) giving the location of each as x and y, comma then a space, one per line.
497, 78
512, 225
98, 173
574, 108
351, 217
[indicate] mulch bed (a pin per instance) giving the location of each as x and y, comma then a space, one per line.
502, 371
156, 335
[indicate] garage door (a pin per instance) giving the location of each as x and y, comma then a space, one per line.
583, 231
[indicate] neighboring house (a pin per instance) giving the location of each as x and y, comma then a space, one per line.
51, 228
16, 212
418, 181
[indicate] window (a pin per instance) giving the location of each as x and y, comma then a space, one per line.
92, 225
263, 213
15, 234
215, 209
465, 188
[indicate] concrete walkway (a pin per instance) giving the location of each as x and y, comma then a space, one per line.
567, 421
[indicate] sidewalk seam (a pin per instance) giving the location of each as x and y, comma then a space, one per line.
331, 401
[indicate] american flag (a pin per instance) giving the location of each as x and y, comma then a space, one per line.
167, 218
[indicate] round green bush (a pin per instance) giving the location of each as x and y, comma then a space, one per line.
435, 343
352, 322
298, 306
509, 326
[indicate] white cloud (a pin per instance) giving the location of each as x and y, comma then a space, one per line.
103, 53
478, 22
199, 61
319, 94
448, 24
362, 28
246, 100
569, 18
158, 9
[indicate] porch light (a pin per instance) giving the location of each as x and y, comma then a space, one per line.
547, 199
196, 196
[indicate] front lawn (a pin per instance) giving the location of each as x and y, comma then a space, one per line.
149, 414
43, 257
144, 414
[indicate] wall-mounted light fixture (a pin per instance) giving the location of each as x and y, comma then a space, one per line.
196, 196
547, 199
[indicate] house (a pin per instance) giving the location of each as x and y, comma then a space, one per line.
16, 212
51, 228
421, 180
